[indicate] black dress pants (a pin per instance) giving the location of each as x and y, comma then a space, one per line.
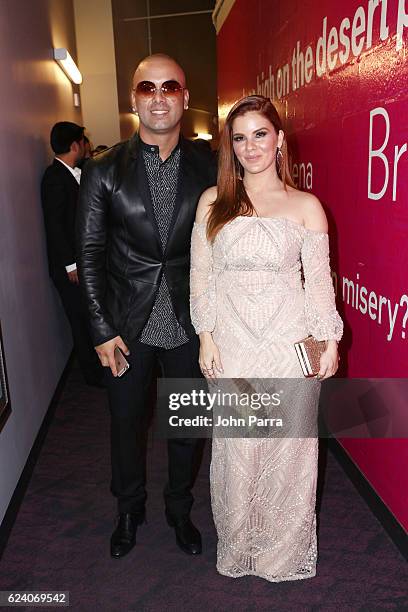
128, 399
78, 317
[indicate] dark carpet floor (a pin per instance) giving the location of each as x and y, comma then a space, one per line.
60, 540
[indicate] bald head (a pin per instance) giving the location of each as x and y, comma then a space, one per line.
161, 98
157, 65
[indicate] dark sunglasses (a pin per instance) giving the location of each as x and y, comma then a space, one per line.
148, 89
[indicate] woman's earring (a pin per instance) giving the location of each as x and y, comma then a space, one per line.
279, 159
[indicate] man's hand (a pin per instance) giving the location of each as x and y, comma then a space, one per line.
73, 277
106, 353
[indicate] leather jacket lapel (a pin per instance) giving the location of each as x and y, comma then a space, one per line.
185, 196
145, 195
142, 186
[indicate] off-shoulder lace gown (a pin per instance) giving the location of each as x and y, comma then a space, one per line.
247, 290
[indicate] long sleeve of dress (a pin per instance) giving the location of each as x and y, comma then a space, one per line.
322, 318
202, 281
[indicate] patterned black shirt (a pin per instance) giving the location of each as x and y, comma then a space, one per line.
162, 328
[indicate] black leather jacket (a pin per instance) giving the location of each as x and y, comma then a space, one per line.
119, 254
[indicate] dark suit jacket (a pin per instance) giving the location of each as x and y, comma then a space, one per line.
59, 195
121, 261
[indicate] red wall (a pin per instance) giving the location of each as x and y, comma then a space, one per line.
347, 123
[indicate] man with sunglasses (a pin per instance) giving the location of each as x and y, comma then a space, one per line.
137, 208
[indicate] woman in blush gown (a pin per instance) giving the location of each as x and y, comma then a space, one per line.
254, 236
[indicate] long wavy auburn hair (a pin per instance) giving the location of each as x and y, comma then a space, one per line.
232, 199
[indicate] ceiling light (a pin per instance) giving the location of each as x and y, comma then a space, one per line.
63, 58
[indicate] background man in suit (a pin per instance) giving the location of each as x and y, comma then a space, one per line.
59, 194
137, 208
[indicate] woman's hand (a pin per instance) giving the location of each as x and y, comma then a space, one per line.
329, 361
209, 358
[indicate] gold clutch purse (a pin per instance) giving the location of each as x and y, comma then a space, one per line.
309, 351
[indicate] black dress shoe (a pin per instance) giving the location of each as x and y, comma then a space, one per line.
124, 537
188, 537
